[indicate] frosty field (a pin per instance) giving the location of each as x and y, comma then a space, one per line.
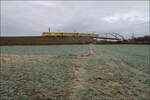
75, 72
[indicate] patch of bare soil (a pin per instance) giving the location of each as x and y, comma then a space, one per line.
23, 58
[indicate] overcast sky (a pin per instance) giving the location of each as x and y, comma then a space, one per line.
34, 17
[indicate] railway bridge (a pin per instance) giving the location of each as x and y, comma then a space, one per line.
111, 36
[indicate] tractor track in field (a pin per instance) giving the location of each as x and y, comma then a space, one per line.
125, 62
134, 67
79, 83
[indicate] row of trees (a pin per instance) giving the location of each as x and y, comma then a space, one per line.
140, 39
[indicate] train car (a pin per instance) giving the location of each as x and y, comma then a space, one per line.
67, 34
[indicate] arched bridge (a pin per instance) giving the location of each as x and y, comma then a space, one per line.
111, 36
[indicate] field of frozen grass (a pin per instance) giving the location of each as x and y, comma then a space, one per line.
75, 72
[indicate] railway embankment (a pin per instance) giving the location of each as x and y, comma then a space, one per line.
40, 40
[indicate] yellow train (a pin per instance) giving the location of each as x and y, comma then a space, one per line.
67, 34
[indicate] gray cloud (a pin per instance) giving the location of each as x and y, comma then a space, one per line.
34, 17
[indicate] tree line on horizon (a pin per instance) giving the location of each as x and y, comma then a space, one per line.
145, 38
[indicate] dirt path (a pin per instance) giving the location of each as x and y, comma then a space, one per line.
79, 83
